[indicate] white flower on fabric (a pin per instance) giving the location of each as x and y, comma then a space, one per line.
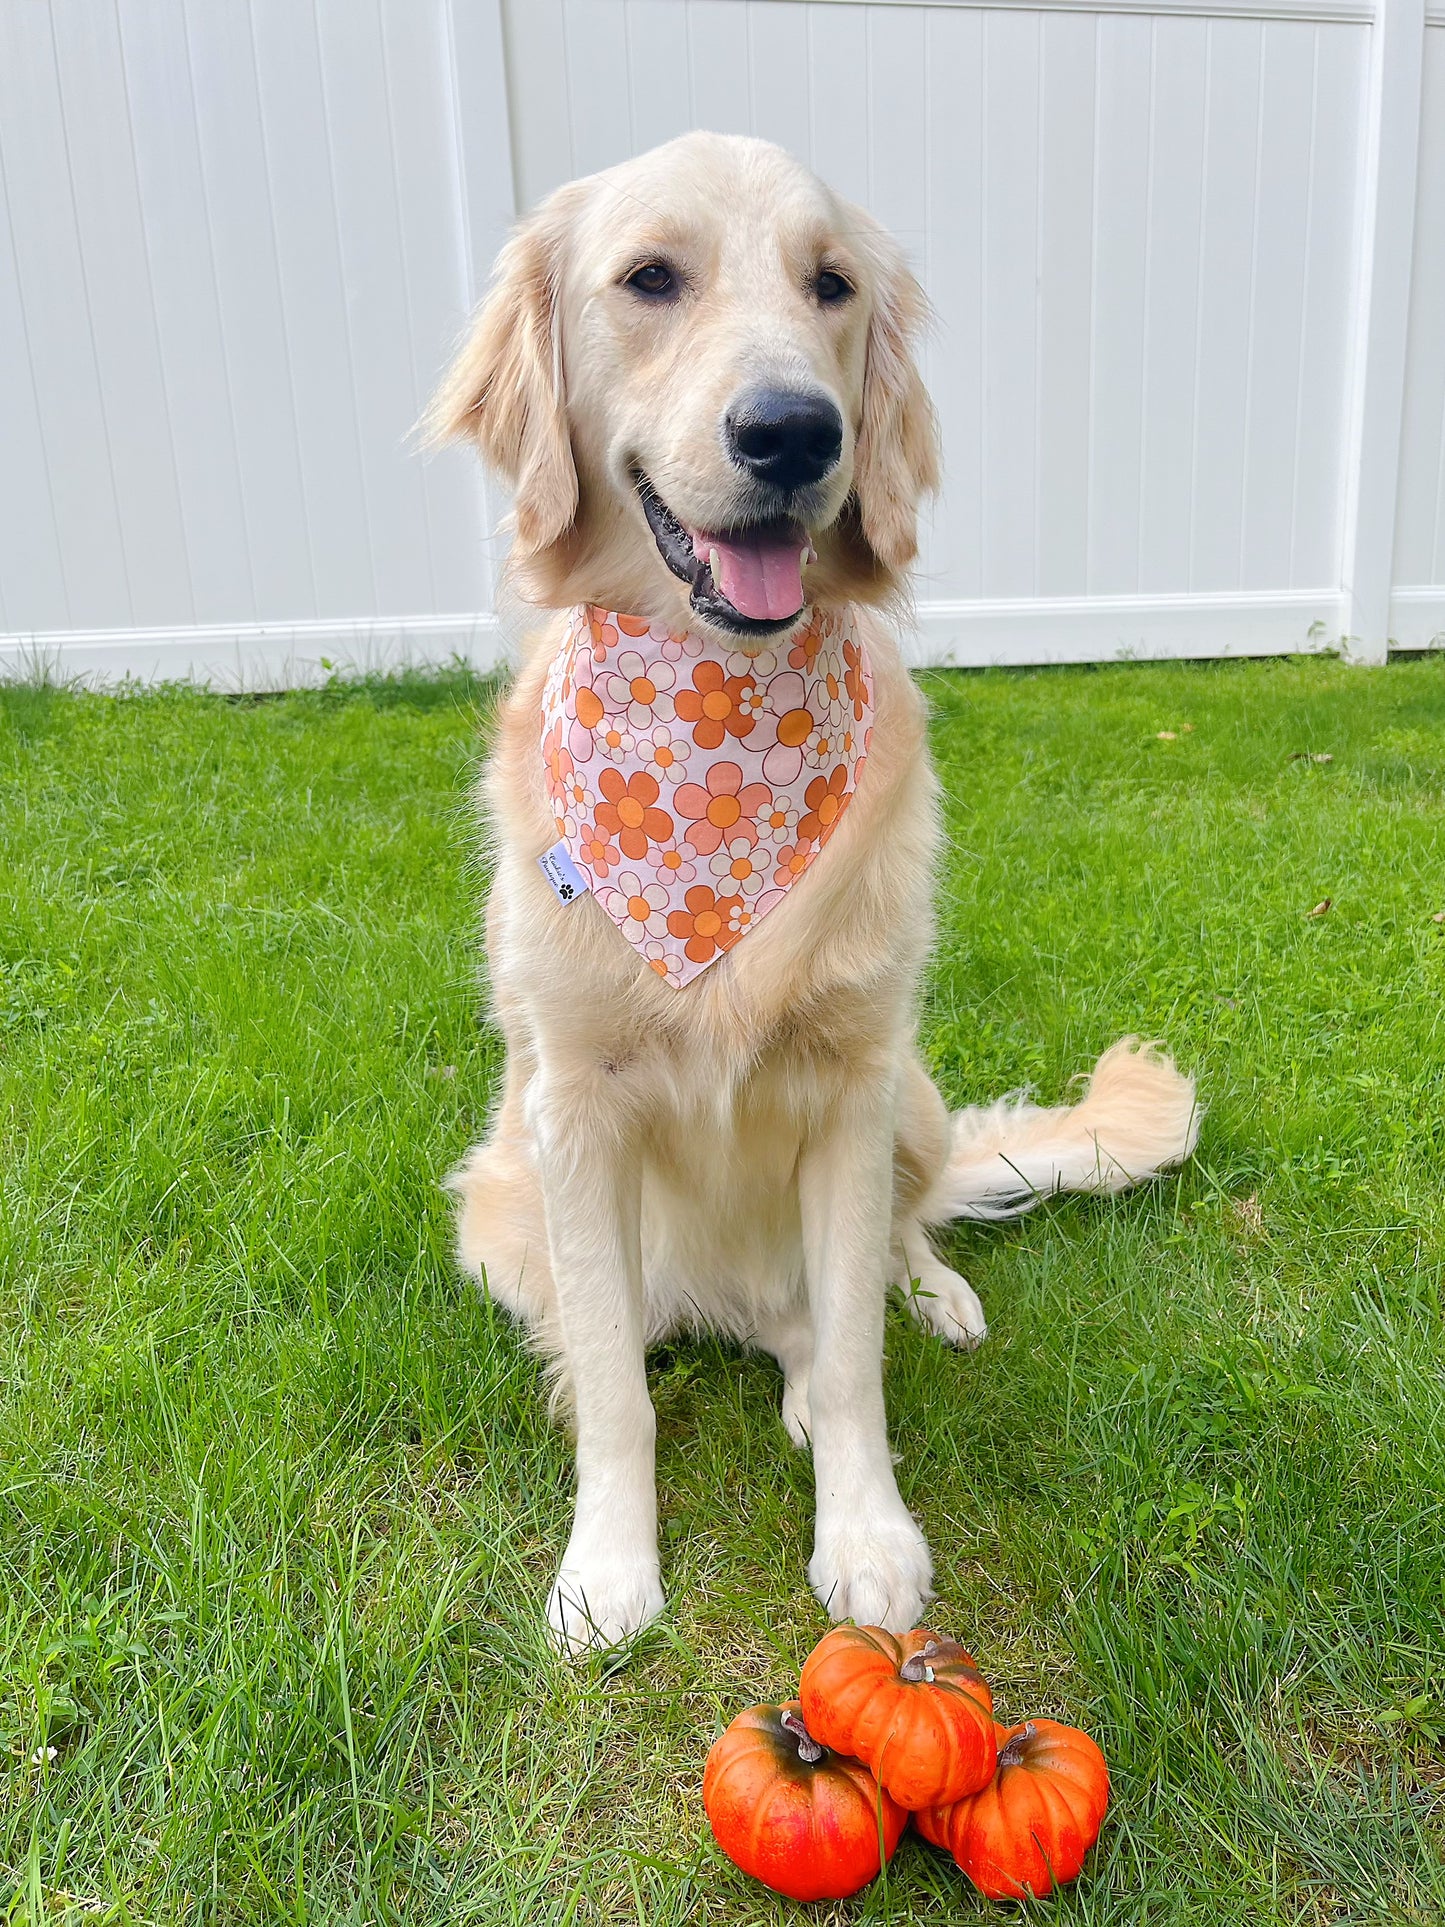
638, 908
759, 667
739, 866
576, 794
676, 647
665, 752
639, 689
821, 748
614, 741
776, 820
667, 963
744, 912
751, 700
675, 862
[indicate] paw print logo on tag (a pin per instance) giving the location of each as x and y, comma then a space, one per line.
567, 881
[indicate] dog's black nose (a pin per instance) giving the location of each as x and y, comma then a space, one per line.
785, 436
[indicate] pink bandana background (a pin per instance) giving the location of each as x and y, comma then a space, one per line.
693, 787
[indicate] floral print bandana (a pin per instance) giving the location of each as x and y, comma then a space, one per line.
691, 785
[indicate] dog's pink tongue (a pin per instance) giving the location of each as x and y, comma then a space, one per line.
761, 575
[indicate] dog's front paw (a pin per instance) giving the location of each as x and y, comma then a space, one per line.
873, 1567
949, 1306
601, 1600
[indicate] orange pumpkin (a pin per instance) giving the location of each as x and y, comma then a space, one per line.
915, 1709
1027, 1832
803, 1820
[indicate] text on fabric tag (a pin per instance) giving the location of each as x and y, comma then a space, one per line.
567, 881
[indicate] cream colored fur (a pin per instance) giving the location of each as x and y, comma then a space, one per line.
761, 1152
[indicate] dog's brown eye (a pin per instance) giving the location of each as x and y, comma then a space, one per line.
653, 278
831, 287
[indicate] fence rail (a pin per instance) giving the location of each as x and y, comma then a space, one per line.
1188, 264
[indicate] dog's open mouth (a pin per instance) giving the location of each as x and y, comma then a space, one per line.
749, 579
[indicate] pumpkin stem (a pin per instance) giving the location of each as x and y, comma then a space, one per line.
917, 1668
809, 1751
1013, 1753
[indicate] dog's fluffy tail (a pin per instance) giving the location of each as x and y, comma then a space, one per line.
1137, 1115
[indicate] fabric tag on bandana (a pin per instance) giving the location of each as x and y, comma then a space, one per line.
567, 881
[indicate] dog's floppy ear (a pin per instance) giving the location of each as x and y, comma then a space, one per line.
897, 458
505, 388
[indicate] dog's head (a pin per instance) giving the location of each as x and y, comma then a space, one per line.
695, 372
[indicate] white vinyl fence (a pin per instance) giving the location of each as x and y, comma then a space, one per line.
1187, 259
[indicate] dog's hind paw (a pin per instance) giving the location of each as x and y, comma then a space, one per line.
796, 1420
948, 1306
873, 1567
602, 1602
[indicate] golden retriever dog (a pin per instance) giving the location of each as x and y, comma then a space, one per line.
706, 339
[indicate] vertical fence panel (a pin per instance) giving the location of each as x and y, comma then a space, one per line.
201, 406
1067, 116
1330, 268
302, 192
1277, 271
1011, 307
777, 47
60, 363
420, 119
32, 573
717, 37
368, 219
837, 82
1120, 297
1171, 303
1227, 252
1387, 201
110, 227
659, 82
953, 548
248, 292
1419, 614
1116, 215
481, 133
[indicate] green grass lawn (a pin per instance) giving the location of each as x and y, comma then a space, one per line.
280, 1501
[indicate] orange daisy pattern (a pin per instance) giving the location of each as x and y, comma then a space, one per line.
629, 810
693, 786
704, 924
717, 705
